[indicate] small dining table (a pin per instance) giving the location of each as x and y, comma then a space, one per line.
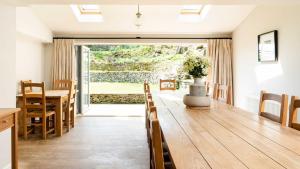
55, 97
223, 136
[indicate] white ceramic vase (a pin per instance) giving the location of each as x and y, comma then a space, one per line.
199, 81
197, 96
198, 88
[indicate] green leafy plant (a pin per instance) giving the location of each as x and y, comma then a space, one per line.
196, 66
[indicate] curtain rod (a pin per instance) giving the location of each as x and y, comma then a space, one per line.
133, 38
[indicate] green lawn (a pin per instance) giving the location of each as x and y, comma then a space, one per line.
119, 88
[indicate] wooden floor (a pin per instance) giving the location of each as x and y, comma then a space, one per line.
95, 143
116, 110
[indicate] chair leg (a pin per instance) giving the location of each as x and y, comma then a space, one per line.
67, 119
25, 130
72, 118
33, 127
44, 128
54, 123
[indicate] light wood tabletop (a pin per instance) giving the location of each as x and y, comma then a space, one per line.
224, 136
57, 98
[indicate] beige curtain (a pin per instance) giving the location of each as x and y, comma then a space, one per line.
63, 66
220, 52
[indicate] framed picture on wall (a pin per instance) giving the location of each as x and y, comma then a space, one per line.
268, 46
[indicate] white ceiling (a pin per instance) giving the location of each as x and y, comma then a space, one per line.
157, 19
150, 2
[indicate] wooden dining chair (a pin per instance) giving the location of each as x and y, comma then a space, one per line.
223, 93
146, 87
35, 110
167, 84
73, 104
210, 90
62, 84
148, 97
293, 121
69, 109
281, 99
158, 160
150, 105
28, 89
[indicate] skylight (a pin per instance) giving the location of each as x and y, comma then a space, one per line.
191, 10
193, 13
87, 13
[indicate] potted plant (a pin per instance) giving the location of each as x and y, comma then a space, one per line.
197, 67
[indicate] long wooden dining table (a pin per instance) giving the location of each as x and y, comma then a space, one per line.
223, 136
55, 97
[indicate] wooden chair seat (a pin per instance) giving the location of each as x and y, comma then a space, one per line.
281, 99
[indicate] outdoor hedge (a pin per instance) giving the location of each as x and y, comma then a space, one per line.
117, 99
121, 76
136, 66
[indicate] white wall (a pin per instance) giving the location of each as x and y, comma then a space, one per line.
29, 58
21, 57
32, 35
7, 74
29, 24
251, 76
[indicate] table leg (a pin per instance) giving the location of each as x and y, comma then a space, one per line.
14, 143
59, 123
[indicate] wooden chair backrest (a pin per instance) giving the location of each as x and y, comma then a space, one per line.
146, 87
210, 90
281, 99
72, 93
34, 101
62, 84
223, 93
171, 84
148, 97
295, 104
28, 89
150, 105
157, 159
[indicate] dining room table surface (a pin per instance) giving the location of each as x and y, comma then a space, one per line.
223, 136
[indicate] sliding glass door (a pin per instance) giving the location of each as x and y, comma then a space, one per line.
85, 79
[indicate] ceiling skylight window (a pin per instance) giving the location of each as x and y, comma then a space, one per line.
193, 13
87, 13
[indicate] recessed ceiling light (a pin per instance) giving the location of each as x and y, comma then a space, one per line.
87, 13
193, 13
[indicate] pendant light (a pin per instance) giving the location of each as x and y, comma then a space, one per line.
138, 20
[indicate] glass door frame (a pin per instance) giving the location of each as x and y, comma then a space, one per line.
80, 98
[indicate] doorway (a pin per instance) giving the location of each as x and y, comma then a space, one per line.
112, 75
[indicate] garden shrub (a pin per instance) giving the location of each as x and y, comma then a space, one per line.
124, 76
117, 98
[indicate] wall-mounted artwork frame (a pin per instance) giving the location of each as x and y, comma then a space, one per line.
268, 46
